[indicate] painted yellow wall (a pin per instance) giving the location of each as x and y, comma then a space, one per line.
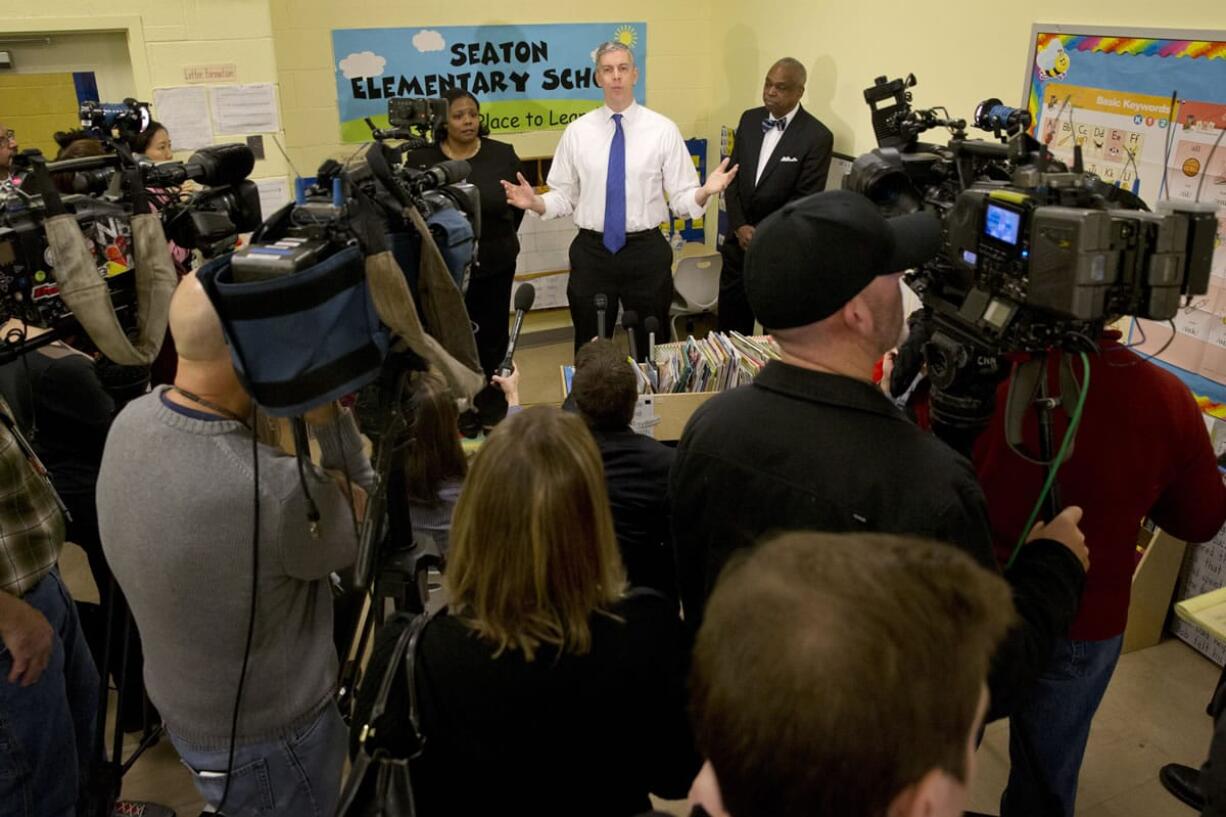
163, 36
35, 106
961, 51
680, 81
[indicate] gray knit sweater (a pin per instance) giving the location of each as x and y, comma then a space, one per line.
175, 501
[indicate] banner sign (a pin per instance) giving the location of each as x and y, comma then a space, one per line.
527, 78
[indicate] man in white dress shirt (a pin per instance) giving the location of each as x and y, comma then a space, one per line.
620, 251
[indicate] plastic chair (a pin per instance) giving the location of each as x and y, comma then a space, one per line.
695, 288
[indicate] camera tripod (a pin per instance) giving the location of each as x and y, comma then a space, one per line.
391, 566
105, 782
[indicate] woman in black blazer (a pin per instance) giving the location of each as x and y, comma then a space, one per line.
488, 298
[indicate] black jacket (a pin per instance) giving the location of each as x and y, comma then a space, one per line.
803, 450
499, 242
806, 140
568, 734
636, 471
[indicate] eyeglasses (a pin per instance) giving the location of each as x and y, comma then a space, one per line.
9, 135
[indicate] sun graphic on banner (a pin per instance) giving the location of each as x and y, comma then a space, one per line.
627, 36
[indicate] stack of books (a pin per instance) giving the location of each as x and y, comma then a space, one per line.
715, 363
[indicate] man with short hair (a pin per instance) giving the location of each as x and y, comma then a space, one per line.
8, 147
611, 172
843, 676
636, 466
786, 153
181, 475
813, 444
48, 683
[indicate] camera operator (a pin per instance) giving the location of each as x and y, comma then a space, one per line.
74, 144
153, 143
1140, 450
915, 622
175, 511
48, 683
812, 444
8, 147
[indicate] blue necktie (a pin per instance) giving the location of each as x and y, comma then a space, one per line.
615, 191
769, 123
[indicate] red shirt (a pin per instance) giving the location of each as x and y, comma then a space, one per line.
1142, 450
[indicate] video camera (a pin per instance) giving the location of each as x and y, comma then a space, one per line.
108, 192
209, 219
318, 223
1037, 256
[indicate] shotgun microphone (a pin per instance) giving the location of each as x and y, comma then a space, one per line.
602, 303
524, 296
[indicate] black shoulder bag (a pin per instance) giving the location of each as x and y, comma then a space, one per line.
379, 784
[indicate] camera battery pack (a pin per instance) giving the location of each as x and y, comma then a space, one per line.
260, 262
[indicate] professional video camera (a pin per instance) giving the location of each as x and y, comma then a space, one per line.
209, 219
1037, 256
110, 192
318, 223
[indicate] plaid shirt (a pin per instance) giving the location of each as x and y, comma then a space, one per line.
31, 523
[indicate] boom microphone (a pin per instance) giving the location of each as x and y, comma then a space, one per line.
524, 296
630, 320
602, 303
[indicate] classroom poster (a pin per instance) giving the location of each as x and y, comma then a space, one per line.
527, 78
1112, 96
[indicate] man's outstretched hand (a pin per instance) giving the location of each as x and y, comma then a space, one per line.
523, 196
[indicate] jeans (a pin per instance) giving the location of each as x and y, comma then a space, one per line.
1051, 728
47, 729
299, 774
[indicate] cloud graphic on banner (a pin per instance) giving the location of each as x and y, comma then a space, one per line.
362, 64
427, 40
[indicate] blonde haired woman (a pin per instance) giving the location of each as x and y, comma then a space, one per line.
546, 688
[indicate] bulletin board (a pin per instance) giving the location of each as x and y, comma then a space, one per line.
1148, 108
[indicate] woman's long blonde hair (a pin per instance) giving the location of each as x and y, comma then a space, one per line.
533, 553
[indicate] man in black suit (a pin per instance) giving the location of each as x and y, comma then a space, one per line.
784, 154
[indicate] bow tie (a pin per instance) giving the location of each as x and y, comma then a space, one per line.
769, 123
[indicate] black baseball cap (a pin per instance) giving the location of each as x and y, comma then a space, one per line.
813, 255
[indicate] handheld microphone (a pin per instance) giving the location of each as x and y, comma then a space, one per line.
602, 303
630, 320
524, 296
652, 325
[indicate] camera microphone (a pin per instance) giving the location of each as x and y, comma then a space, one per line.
630, 320
443, 174
652, 325
213, 166
524, 296
602, 303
